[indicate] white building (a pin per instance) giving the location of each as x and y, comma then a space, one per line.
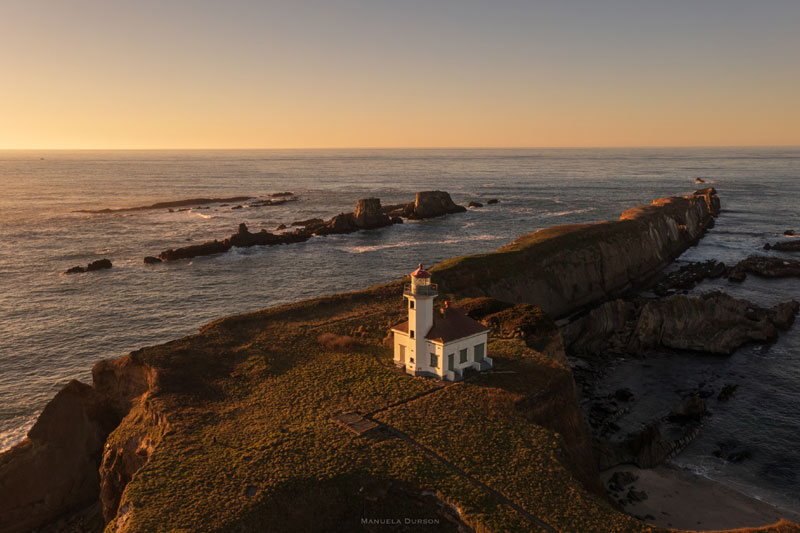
439, 343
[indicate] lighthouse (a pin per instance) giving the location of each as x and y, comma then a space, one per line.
441, 342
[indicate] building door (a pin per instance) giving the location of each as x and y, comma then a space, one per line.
450, 361
479, 353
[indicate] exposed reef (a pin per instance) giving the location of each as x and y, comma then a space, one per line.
369, 214
173, 203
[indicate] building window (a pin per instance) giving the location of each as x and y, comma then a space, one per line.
411, 304
402, 353
462, 356
434, 360
450, 358
479, 353
411, 333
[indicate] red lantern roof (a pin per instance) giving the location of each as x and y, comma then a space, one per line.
421, 273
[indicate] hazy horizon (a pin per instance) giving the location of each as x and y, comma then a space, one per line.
208, 75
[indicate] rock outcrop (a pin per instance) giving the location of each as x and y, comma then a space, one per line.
369, 214
784, 246
644, 449
430, 204
713, 323
100, 264
765, 267
566, 268
55, 469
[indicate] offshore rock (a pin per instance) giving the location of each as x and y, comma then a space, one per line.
100, 264
369, 215
692, 408
429, 204
765, 267
150, 260
784, 246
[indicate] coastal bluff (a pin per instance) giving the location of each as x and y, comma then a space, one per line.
233, 428
566, 268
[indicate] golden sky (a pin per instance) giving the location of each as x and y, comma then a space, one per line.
182, 75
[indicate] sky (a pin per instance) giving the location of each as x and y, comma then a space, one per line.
401, 73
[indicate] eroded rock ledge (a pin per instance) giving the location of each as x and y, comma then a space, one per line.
712, 323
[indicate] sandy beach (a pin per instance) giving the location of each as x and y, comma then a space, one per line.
677, 498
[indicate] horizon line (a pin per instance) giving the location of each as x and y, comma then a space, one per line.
402, 148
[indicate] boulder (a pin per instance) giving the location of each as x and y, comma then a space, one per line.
620, 480
692, 408
369, 215
789, 232
624, 395
150, 260
491, 201
100, 264
429, 204
726, 392
474, 204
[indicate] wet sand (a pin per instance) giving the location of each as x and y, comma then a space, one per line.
679, 499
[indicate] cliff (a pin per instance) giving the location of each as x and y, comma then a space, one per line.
55, 470
565, 268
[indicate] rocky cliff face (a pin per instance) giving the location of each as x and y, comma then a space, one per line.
565, 268
55, 470
713, 323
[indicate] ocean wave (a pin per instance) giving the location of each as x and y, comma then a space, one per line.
20, 426
386, 246
202, 215
564, 213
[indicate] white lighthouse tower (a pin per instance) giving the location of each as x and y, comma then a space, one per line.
420, 294
438, 343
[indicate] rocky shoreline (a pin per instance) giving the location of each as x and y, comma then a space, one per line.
92, 444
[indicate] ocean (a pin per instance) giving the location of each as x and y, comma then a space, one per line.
54, 327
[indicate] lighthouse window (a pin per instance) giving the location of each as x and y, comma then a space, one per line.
462, 356
411, 304
434, 360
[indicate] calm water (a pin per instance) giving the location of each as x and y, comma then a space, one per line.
53, 327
